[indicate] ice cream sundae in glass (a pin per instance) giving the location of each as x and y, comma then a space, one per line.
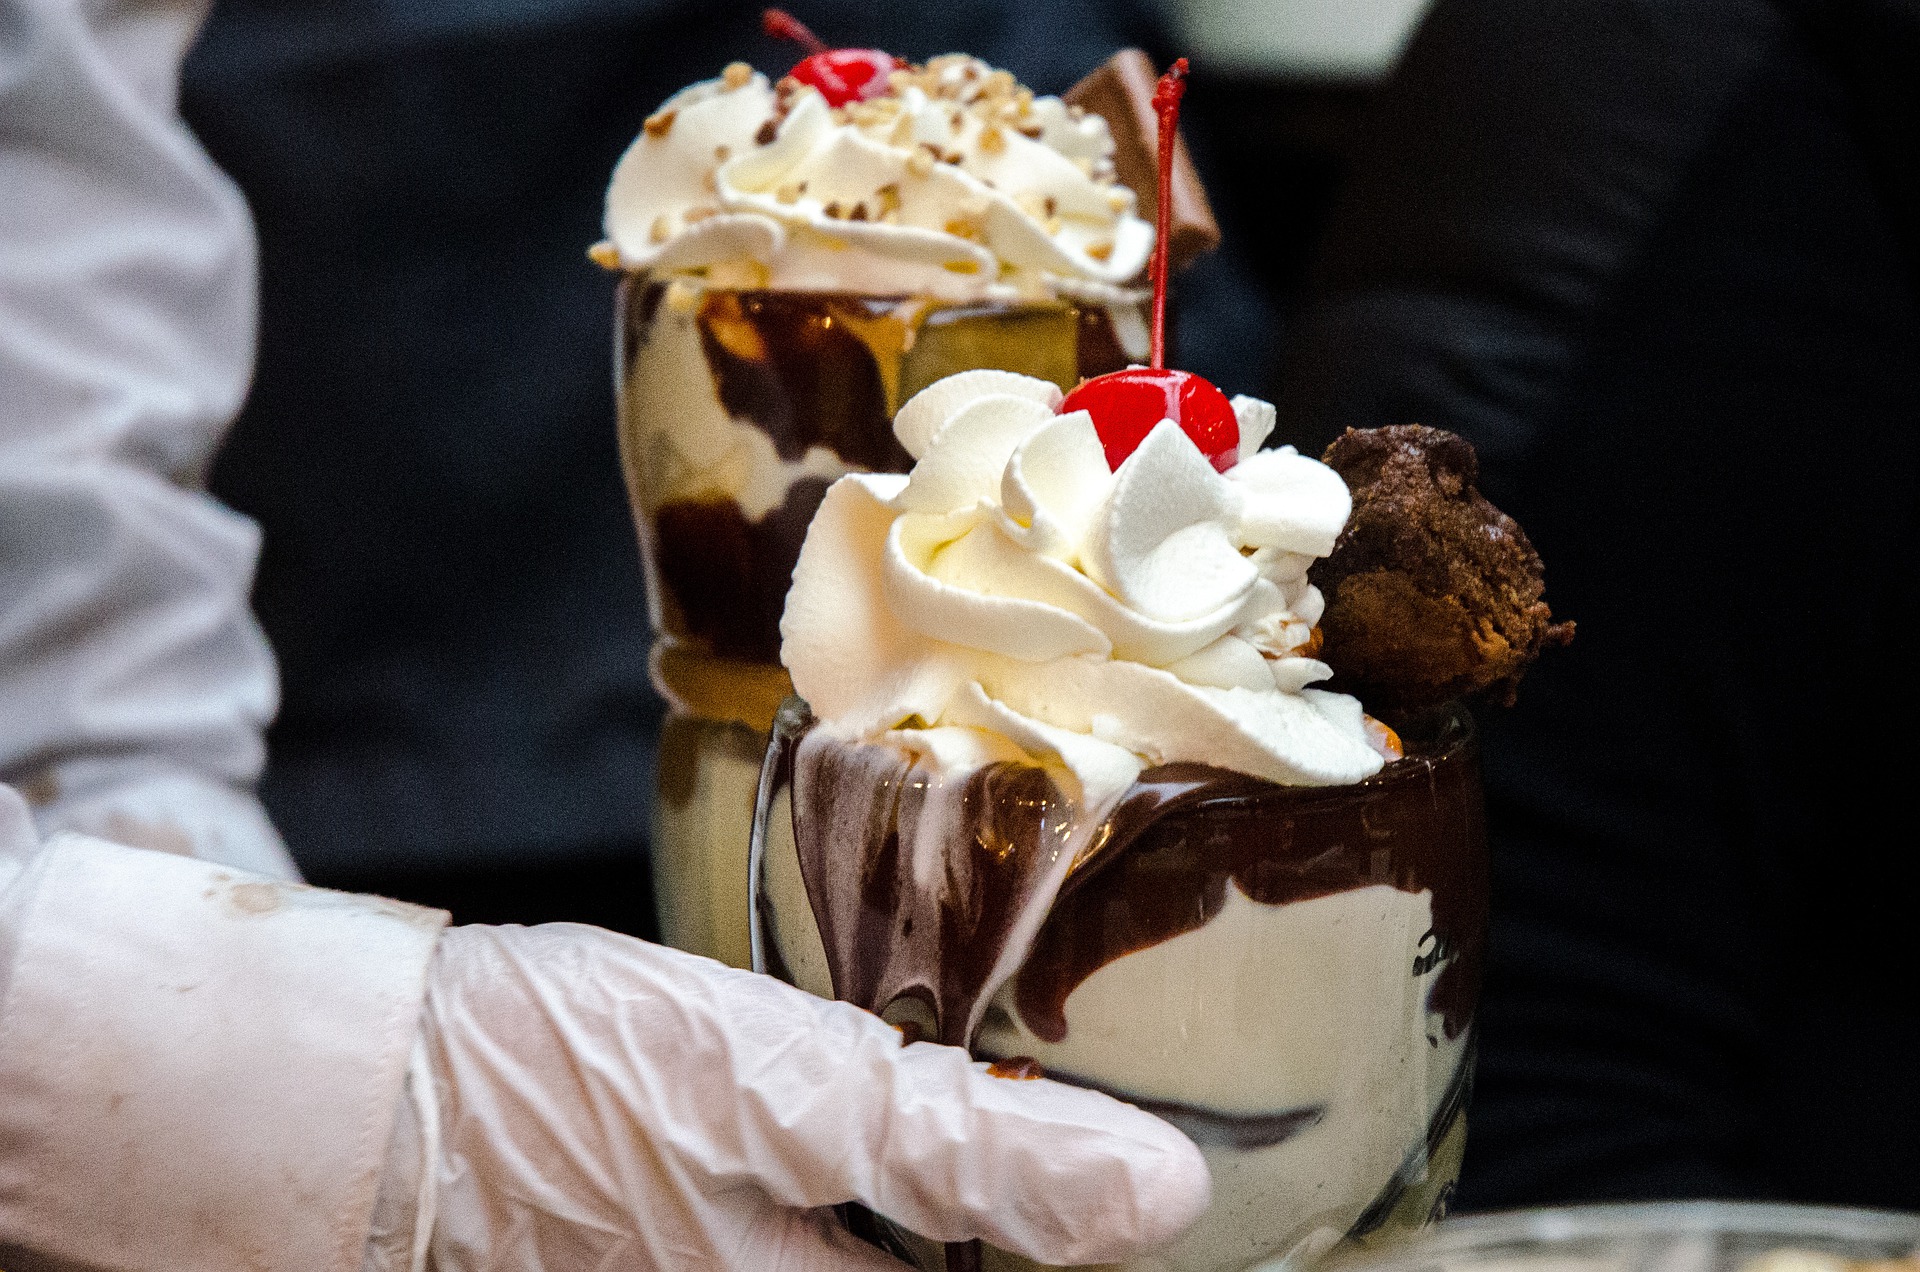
1061, 787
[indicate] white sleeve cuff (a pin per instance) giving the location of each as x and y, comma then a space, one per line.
199, 1068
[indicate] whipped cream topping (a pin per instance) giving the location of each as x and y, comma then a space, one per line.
1013, 592
959, 184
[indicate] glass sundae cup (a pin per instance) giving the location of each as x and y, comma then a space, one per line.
1285, 973
1062, 791
798, 259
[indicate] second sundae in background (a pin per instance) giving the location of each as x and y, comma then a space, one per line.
799, 257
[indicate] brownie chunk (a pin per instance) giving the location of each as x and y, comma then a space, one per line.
1433, 594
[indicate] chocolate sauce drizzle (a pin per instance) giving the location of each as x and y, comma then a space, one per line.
891, 935
1185, 831
1157, 867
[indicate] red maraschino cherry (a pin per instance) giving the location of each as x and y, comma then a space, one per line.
1125, 405
843, 76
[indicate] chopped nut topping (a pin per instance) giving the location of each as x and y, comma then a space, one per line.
693, 216
659, 123
964, 226
1032, 132
604, 254
834, 210
1118, 200
961, 267
957, 121
659, 231
952, 156
736, 75
992, 140
767, 132
722, 153
889, 196
919, 163
1100, 251
890, 217
708, 183
790, 192
859, 212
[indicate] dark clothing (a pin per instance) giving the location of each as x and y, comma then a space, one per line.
1656, 260
450, 576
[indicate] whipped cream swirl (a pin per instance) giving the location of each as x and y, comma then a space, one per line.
1012, 597
959, 184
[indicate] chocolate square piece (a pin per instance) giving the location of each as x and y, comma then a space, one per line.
1121, 92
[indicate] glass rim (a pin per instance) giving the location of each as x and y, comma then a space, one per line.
1457, 740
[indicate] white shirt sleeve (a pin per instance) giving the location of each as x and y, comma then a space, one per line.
199, 1068
134, 682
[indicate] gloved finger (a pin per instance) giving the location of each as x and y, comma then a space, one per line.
819, 1103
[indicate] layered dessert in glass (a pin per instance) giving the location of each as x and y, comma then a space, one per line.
1065, 789
798, 260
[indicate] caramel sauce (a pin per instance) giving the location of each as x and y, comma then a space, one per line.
1017, 1069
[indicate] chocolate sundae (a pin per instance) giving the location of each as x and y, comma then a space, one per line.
1065, 786
799, 257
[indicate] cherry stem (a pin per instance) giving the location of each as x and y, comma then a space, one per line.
782, 25
1166, 105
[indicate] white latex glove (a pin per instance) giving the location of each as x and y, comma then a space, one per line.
605, 1103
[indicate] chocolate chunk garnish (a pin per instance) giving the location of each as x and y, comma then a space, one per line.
1433, 594
1121, 92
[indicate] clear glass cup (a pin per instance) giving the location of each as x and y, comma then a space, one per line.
736, 410
1287, 974
1675, 1236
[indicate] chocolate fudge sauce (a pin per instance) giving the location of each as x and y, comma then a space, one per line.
916, 887
819, 369
918, 892
1185, 831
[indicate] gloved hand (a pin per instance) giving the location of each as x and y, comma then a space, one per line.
605, 1103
